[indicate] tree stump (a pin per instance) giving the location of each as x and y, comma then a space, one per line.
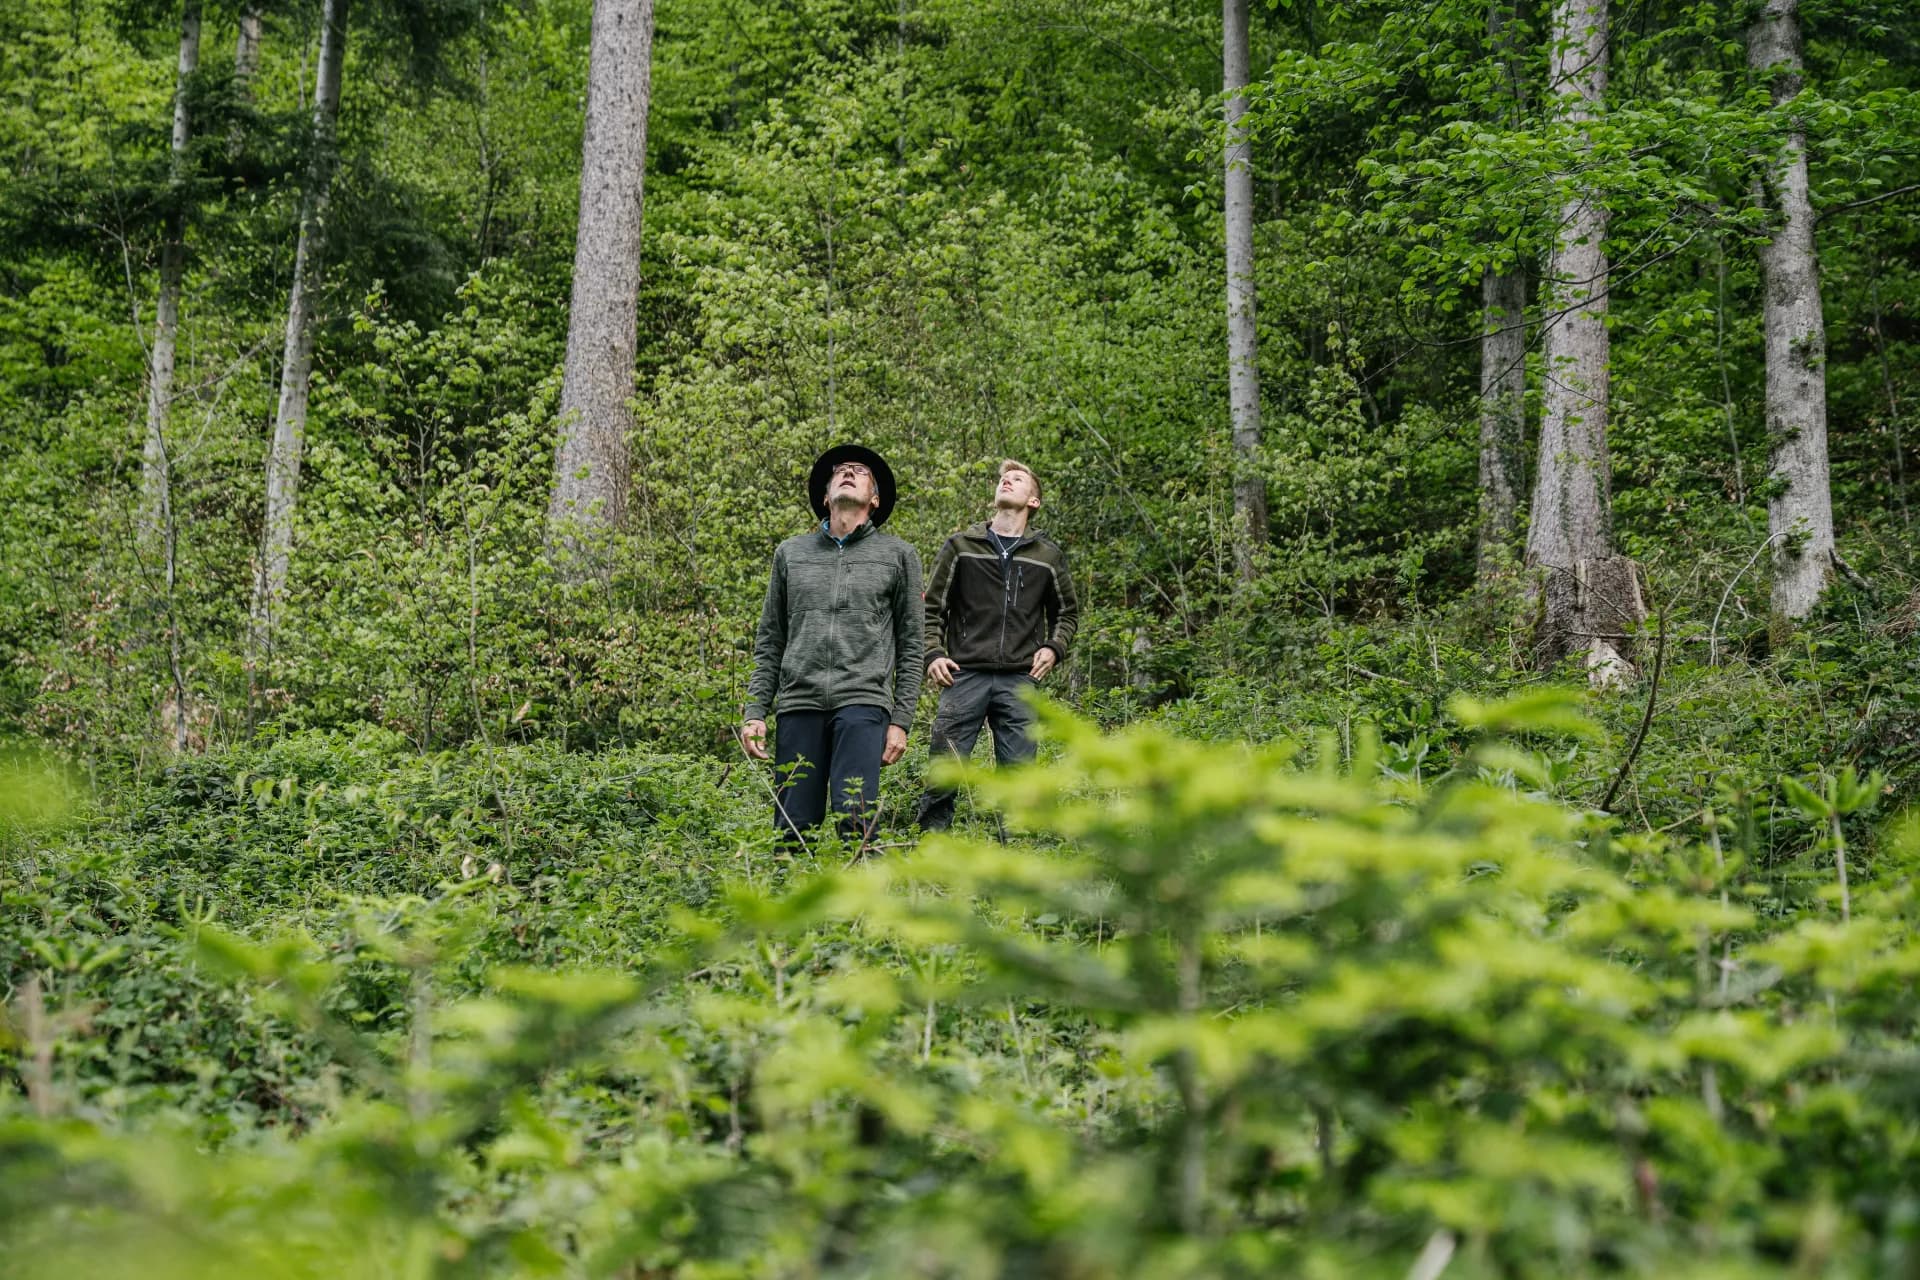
1594, 608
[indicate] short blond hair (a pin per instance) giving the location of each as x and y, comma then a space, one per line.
1013, 464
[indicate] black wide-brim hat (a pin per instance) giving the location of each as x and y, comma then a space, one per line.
823, 472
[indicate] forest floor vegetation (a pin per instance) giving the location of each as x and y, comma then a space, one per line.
1329, 975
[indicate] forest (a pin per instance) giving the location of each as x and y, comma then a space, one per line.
1472, 835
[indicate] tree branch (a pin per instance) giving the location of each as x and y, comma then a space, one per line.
1909, 189
1646, 718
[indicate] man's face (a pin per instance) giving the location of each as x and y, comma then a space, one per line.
852, 485
1015, 491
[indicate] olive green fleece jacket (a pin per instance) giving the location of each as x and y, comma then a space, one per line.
840, 627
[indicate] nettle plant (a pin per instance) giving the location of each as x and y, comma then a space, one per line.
1346, 1015
1211, 1011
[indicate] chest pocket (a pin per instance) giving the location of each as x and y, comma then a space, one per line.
866, 588
810, 586
1030, 583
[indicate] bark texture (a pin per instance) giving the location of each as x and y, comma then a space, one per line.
246, 65
1503, 394
296, 366
246, 51
590, 466
1800, 512
1584, 607
156, 487
1243, 346
1503, 366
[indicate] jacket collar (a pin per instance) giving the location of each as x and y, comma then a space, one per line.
862, 530
982, 532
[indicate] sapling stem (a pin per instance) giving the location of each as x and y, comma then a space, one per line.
1191, 1191
1709, 1074
1019, 1044
1840, 865
40, 1045
420, 1045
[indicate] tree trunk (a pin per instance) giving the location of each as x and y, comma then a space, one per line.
1243, 344
1800, 512
1503, 370
590, 468
290, 420
246, 50
900, 100
1588, 598
1893, 399
246, 64
1503, 392
156, 489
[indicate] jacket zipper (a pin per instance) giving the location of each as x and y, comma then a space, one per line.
833, 617
1019, 581
1006, 594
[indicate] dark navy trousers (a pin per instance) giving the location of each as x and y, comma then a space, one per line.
828, 759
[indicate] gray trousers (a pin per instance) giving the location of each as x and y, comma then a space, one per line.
974, 699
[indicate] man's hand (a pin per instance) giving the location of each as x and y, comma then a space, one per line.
753, 736
896, 744
942, 671
1043, 660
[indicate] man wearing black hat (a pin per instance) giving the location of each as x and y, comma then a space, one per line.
837, 658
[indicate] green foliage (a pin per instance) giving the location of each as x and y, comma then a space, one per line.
33, 792
1216, 1012
956, 231
457, 942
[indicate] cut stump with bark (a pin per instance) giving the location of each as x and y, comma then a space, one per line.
1595, 608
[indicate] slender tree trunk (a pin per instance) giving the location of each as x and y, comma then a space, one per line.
1588, 598
1243, 344
590, 469
1503, 371
1190, 1179
179, 707
290, 420
1800, 512
246, 49
1503, 392
1726, 383
156, 488
1893, 401
900, 104
246, 65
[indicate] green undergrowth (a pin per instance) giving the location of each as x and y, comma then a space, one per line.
1337, 1003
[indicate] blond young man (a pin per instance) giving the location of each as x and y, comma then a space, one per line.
1000, 613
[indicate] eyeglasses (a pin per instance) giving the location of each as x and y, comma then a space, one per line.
852, 469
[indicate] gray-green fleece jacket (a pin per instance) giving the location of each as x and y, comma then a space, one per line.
840, 627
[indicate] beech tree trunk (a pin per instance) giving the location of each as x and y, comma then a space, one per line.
1503, 395
1503, 373
1800, 512
1893, 398
1588, 597
1243, 344
246, 50
590, 466
156, 488
246, 65
296, 367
